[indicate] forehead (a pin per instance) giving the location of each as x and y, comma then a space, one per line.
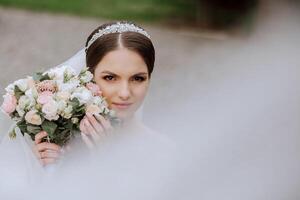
122, 61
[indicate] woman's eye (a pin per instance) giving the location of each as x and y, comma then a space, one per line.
139, 78
109, 77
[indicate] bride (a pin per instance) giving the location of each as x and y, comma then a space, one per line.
121, 57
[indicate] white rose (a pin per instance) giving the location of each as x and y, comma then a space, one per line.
58, 72
69, 86
67, 113
10, 89
82, 94
69, 73
61, 106
86, 77
20, 110
26, 103
32, 93
50, 110
33, 118
22, 84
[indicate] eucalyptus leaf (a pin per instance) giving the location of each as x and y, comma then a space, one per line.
22, 126
37, 76
45, 77
33, 129
74, 103
18, 92
49, 127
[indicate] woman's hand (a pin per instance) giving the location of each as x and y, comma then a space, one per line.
94, 128
47, 152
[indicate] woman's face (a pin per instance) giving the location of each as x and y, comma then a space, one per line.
123, 79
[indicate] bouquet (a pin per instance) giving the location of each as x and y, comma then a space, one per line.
54, 101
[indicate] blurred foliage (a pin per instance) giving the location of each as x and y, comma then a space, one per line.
220, 14
145, 10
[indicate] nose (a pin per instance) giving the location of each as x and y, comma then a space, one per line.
124, 91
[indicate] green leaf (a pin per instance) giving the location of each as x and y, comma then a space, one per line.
22, 126
33, 129
79, 109
40, 77
18, 92
45, 77
74, 103
49, 127
37, 76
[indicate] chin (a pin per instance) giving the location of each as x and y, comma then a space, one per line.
124, 115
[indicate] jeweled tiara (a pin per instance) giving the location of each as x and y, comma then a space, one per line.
117, 28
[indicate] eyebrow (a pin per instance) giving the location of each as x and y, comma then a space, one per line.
108, 72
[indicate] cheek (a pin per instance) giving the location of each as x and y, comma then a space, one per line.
141, 92
107, 90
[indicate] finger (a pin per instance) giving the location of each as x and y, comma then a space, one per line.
96, 124
82, 126
38, 137
87, 140
105, 122
49, 154
84, 129
47, 161
92, 131
45, 145
84, 136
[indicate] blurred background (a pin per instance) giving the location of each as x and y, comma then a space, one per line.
197, 13
229, 70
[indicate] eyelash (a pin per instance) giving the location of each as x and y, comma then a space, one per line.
136, 78
108, 78
139, 78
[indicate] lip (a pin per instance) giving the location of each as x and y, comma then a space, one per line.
122, 105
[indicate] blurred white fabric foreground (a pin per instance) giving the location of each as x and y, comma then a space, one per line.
238, 135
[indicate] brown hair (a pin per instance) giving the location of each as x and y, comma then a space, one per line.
131, 40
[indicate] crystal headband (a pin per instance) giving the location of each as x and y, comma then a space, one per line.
117, 28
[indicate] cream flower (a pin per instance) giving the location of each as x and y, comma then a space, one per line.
67, 113
26, 102
75, 120
64, 95
20, 111
33, 118
86, 77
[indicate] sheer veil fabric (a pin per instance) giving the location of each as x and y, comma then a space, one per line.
21, 169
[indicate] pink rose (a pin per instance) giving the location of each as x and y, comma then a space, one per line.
94, 88
9, 103
44, 97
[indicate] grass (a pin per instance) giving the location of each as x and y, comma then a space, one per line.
136, 10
